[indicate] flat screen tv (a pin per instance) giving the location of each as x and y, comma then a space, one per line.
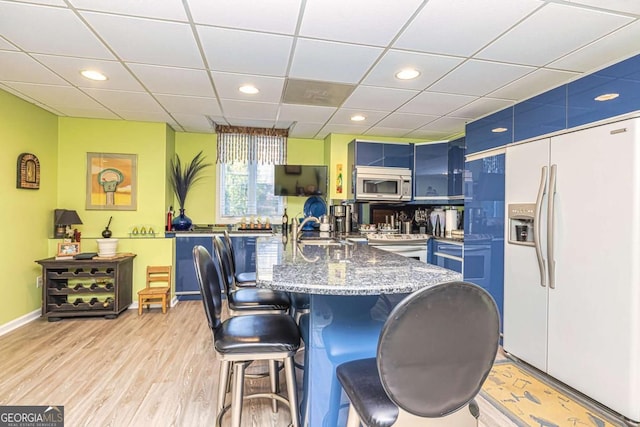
300, 180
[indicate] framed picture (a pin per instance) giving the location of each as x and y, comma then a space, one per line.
112, 181
28, 172
68, 248
293, 169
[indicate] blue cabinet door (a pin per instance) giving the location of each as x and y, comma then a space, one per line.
398, 155
430, 173
487, 133
244, 249
541, 114
442, 250
369, 153
187, 287
456, 167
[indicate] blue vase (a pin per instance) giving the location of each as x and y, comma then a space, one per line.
181, 222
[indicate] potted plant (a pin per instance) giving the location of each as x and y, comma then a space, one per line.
182, 178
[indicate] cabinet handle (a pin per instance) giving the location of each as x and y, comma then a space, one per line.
536, 227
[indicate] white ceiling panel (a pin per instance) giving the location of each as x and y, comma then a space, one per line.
353, 23
258, 123
479, 77
462, 27
627, 6
305, 113
176, 81
99, 113
385, 131
445, 124
165, 9
20, 67
120, 101
437, 104
533, 83
273, 16
378, 98
43, 29
336, 128
189, 104
328, 61
147, 40
118, 77
194, 122
48, 2
227, 85
343, 117
606, 50
5, 45
57, 96
305, 130
430, 135
553, 31
405, 121
481, 107
431, 68
245, 52
250, 110
147, 116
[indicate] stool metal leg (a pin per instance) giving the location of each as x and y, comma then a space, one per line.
273, 380
237, 393
353, 419
292, 391
223, 381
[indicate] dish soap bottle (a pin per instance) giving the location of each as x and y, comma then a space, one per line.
285, 222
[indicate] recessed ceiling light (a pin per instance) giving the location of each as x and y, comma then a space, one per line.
249, 89
606, 96
499, 130
408, 74
358, 118
93, 75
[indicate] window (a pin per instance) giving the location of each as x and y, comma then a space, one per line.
245, 172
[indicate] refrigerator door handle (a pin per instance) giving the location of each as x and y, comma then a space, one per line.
536, 239
551, 227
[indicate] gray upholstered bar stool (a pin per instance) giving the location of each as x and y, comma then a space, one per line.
245, 278
241, 340
434, 353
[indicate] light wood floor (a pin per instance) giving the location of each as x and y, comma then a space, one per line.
150, 370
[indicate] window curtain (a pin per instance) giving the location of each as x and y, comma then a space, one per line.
251, 145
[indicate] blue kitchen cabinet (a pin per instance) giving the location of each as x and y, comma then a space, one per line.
484, 220
446, 254
622, 78
398, 155
541, 114
367, 153
456, 168
431, 170
187, 287
244, 249
484, 134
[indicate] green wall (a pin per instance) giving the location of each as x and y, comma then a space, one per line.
26, 217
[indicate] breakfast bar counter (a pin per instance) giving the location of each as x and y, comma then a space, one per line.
352, 289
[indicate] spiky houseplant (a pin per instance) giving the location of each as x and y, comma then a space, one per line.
182, 178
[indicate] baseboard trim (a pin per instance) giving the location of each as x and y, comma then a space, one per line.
20, 321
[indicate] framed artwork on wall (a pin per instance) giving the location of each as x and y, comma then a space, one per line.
28, 172
111, 181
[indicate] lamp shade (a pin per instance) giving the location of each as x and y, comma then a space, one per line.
68, 217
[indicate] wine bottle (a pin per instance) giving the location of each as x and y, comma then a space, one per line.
285, 222
107, 302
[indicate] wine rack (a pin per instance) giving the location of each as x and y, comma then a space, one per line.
75, 288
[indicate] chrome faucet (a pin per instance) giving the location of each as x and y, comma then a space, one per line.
296, 230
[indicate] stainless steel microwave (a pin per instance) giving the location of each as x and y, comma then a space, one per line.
382, 183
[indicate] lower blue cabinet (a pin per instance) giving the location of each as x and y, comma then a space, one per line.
186, 281
446, 254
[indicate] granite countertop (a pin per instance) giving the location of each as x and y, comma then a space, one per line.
347, 269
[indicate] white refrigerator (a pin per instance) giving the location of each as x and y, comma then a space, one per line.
576, 313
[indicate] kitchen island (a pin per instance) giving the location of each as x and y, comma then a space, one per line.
352, 288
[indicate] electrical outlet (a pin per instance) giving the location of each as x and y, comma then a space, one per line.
38, 281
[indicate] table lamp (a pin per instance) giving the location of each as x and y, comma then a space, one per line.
64, 219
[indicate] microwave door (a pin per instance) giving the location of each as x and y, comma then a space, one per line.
381, 188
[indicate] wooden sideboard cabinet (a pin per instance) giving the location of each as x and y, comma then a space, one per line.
77, 288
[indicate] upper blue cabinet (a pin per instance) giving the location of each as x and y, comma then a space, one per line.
622, 79
398, 155
492, 131
367, 153
457, 150
431, 170
541, 114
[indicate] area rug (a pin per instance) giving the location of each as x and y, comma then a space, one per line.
529, 400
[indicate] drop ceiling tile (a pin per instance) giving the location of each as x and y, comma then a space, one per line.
227, 85
194, 122
405, 121
463, 27
172, 80
245, 52
343, 117
481, 107
69, 68
606, 50
437, 104
329, 61
274, 16
48, 2
378, 98
479, 78
353, 22
165, 9
431, 67
532, 84
627, 6
256, 123
59, 31
20, 67
146, 40
234, 109
192, 105
387, 131
305, 113
5, 45
430, 135
56, 96
553, 31
305, 130
118, 100
98, 113
146, 116
446, 125
347, 129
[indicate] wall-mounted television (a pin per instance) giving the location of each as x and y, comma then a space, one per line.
300, 180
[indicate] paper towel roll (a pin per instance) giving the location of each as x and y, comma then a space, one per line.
451, 219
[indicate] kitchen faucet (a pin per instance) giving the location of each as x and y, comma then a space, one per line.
296, 230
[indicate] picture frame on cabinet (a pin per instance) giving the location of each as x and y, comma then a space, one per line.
111, 181
68, 249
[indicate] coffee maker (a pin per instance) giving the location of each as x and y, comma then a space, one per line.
340, 218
